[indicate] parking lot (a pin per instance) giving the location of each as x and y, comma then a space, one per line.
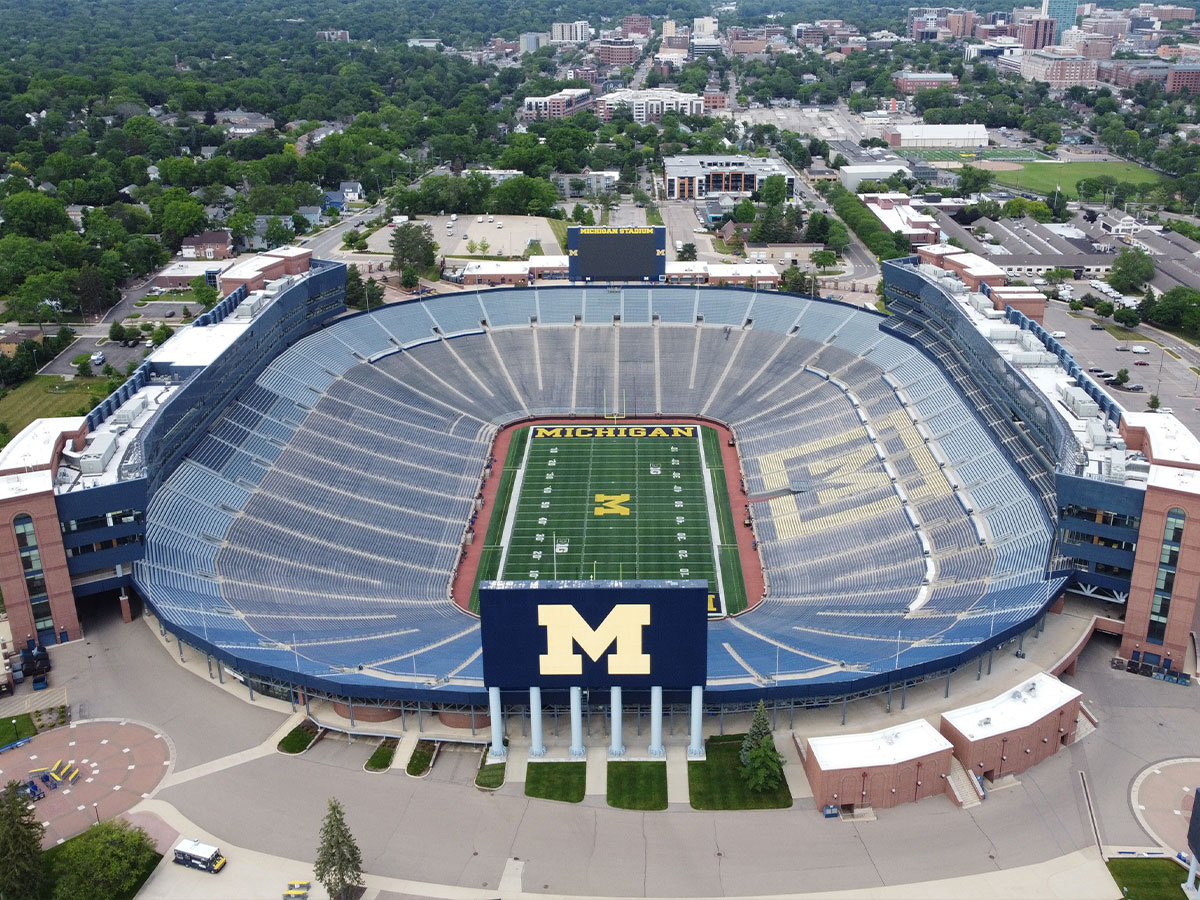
114, 354
1157, 371
505, 235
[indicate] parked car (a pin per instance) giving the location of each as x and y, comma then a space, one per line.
1122, 349
1096, 326
1095, 369
98, 358
1140, 362
1135, 387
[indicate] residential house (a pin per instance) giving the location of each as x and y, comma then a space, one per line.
352, 191
216, 244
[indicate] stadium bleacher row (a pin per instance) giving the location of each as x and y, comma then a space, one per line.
318, 524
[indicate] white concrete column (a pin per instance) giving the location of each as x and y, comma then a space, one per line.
496, 714
656, 744
537, 747
577, 748
1189, 886
696, 736
616, 748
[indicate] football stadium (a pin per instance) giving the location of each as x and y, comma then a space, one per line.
314, 499
314, 533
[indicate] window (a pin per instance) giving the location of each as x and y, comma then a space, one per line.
31, 564
1164, 585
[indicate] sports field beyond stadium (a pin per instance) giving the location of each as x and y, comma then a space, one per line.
616, 501
968, 154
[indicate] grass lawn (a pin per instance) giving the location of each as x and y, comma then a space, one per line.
422, 758
1042, 178
1124, 334
46, 396
564, 781
10, 732
653, 216
1148, 879
716, 782
299, 738
534, 248
381, 759
559, 227
637, 785
491, 775
881, 305
48, 867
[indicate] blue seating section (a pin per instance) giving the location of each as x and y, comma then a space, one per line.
318, 524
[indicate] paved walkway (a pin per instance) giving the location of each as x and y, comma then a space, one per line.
1162, 798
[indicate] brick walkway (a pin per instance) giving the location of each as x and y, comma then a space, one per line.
1162, 798
120, 763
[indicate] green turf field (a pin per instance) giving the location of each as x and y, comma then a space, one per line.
1044, 178
619, 501
966, 155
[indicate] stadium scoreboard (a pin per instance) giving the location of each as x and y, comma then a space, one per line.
594, 634
617, 253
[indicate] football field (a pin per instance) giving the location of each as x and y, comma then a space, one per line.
620, 502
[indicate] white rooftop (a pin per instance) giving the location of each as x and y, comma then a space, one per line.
547, 262
199, 346
288, 252
190, 268
896, 744
1021, 706
33, 447
21, 483
1171, 442
742, 270
496, 267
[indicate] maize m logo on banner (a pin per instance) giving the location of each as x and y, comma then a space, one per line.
558, 634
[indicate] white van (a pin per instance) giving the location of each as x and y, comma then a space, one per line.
1139, 349
453, 217
1058, 334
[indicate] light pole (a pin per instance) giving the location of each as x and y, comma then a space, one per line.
96, 810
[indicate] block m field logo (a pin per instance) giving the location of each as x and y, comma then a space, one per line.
621, 629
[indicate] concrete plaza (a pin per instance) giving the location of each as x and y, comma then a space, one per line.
441, 836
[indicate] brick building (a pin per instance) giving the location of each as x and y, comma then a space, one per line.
908, 82
618, 52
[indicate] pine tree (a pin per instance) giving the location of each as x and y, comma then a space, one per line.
760, 727
354, 287
338, 865
763, 770
20, 845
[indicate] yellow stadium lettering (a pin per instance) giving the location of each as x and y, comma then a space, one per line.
657, 432
637, 431
540, 432
584, 431
712, 603
611, 503
683, 431
565, 628
606, 432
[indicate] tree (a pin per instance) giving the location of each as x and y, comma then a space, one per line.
355, 295
409, 278
1130, 270
338, 865
817, 230
161, 334
1104, 309
472, 247
763, 769
105, 861
21, 834
823, 258
745, 211
1154, 403
35, 215
1076, 305
687, 253
1127, 316
92, 289
373, 292
484, 246
760, 727
1122, 376
972, 180
277, 233
412, 245
1058, 275
116, 332
180, 218
206, 295
773, 190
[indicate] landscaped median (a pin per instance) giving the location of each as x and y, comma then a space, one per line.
381, 759
421, 760
299, 738
637, 785
716, 782
562, 781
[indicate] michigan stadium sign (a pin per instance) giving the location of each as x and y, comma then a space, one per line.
616, 253
558, 634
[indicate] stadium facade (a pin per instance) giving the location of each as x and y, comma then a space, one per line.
290, 495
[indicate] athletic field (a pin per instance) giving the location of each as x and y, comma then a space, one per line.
1044, 178
967, 154
616, 501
